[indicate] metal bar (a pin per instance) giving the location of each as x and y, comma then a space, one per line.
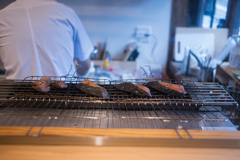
193, 110
73, 120
32, 127
16, 109
174, 127
149, 113
44, 124
143, 115
80, 118
153, 113
182, 123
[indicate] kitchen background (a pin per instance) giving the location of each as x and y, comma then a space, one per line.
115, 23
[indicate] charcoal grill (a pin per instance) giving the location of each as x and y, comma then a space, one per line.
202, 108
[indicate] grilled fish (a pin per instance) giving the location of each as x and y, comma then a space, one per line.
59, 85
46, 80
172, 89
92, 89
43, 85
134, 88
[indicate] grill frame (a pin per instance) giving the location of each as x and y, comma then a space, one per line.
99, 113
198, 93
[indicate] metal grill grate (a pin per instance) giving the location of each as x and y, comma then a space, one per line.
193, 111
62, 114
216, 95
234, 92
193, 93
25, 90
198, 94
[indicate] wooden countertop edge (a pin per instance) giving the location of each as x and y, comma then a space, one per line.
46, 152
127, 133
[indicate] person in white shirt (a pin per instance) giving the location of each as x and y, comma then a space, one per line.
42, 38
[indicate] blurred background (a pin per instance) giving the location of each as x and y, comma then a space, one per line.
130, 33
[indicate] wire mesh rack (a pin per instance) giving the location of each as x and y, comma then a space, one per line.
62, 114
234, 92
193, 93
216, 95
25, 90
198, 94
201, 108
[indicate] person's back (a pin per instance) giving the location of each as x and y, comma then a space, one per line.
41, 38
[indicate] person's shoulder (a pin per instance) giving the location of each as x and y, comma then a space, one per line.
68, 12
65, 8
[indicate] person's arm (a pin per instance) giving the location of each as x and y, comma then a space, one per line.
85, 65
82, 47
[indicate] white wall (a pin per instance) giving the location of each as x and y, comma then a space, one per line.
116, 20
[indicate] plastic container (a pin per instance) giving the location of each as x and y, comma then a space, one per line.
224, 50
234, 59
106, 65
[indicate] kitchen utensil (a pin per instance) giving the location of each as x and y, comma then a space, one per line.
206, 74
192, 40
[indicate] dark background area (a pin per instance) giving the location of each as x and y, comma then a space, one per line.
5, 3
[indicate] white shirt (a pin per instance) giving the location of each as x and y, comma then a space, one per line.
41, 38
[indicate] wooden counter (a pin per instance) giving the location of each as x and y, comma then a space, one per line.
130, 133
27, 152
63, 152
224, 75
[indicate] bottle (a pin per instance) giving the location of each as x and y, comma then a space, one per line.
234, 59
105, 73
222, 52
106, 65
